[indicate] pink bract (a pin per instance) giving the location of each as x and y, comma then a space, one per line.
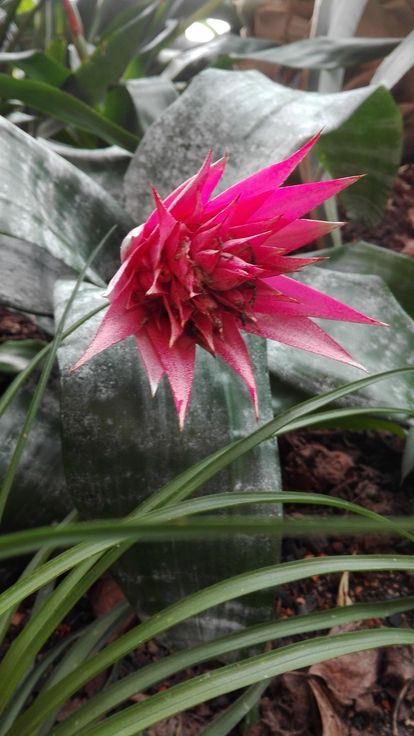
202, 269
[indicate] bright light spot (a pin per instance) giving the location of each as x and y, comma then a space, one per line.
203, 32
218, 25
199, 33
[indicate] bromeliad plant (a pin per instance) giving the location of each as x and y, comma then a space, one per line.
200, 270
120, 442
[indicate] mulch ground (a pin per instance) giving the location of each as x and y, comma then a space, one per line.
353, 695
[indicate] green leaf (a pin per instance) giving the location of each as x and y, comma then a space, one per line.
38, 559
37, 65
15, 355
28, 272
92, 639
25, 6
194, 604
52, 204
106, 166
12, 391
182, 487
232, 677
42, 384
241, 709
40, 495
111, 57
218, 649
65, 107
395, 269
323, 53
372, 139
25, 691
221, 109
387, 347
207, 528
151, 528
138, 463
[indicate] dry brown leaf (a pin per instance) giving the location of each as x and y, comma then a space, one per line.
343, 598
399, 667
331, 723
350, 677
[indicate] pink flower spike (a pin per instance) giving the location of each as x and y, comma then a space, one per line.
200, 271
117, 324
264, 180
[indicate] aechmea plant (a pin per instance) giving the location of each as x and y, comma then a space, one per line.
202, 269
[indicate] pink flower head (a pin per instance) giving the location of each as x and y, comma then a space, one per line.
202, 269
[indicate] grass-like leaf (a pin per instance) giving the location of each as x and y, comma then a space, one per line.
251, 637
194, 604
232, 677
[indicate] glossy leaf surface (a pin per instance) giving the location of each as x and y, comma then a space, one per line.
221, 110
379, 347
396, 269
50, 203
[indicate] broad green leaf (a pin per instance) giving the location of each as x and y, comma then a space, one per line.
398, 63
222, 109
372, 139
120, 466
194, 604
167, 666
37, 65
42, 384
150, 97
12, 391
15, 355
323, 53
395, 269
65, 107
39, 495
49, 202
27, 279
111, 57
106, 166
374, 347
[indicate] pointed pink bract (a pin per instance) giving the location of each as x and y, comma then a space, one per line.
200, 271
